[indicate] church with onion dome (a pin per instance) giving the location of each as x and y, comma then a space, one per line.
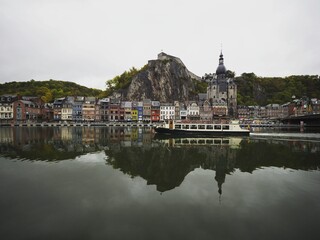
222, 90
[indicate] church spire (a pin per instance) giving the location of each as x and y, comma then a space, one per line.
221, 68
221, 58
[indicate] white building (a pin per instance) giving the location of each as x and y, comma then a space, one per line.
67, 109
183, 114
193, 110
6, 107
167, 111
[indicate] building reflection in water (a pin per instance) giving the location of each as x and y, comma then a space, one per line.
161, 162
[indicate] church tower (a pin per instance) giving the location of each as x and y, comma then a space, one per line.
222, 90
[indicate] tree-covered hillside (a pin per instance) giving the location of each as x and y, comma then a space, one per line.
253, 90
48, 90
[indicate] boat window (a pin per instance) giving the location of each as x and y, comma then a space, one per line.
193, 141
217, 141
178, 141
193, 126
185, 126
209, 127
225, 127
225, 141
185, 141
202, 126
177, 127
217, 126
202, 141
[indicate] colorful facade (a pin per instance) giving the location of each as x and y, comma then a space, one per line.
78, 109
155, 111
89, 109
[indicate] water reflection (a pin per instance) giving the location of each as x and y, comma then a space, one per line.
161, 162
62, 143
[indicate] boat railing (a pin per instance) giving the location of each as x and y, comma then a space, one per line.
220, 121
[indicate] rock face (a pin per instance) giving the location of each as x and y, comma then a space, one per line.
165, 79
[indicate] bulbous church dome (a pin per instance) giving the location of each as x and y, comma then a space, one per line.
221, 69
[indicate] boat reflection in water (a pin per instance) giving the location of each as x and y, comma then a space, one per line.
232, 142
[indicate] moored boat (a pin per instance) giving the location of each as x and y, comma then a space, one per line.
198, 128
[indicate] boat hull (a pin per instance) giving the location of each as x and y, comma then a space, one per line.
180, 132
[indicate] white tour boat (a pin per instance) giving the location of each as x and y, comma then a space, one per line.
198, 128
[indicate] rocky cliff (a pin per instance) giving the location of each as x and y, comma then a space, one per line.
165, 79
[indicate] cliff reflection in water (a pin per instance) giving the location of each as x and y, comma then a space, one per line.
166, 163
162, 162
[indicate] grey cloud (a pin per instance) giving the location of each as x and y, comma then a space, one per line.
90, 42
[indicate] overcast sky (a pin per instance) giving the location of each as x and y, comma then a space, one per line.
91, 41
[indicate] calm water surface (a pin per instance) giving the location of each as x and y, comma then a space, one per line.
126, 183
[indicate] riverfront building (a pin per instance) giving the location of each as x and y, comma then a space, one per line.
146, 110
155, 111
6, 107
167, 111
78, 109
222, 91
67, 109
88, 109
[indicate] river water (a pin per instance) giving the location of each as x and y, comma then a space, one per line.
128, 183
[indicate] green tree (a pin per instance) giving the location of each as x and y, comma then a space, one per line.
122, 81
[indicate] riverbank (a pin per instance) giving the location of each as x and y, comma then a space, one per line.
131, 124
93, 124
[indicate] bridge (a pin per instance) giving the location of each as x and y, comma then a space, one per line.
310, 120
